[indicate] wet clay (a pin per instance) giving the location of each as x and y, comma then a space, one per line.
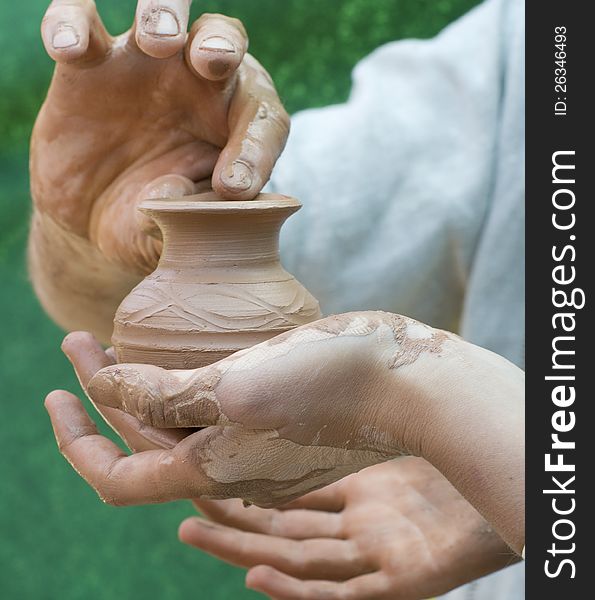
219, 286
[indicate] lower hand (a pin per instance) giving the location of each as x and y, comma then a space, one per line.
305, 409
396, 530
280, 419
393, 531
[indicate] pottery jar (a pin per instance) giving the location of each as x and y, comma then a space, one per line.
219, 286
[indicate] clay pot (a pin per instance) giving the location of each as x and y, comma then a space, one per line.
219, 286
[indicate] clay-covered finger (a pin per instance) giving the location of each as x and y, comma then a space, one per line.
281, 586
259, 126
312, 558
87, 357
145, 478
138, 436
158, 397
293, 524
216, 46
72, 31
160, 26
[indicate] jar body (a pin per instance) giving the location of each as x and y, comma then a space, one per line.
179, 325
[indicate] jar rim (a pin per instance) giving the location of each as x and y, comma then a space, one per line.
211, 203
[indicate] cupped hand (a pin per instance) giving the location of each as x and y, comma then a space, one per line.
395, 531
154, 112
398, 530
280, 419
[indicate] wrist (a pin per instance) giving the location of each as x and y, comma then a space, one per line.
407, 353
468, 421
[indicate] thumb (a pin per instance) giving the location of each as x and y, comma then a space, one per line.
158, 397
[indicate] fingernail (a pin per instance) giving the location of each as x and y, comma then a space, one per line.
165, 24
238, 176
65, 37
217, 43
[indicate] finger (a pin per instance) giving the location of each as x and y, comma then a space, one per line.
293, 524
216, 46
158, 397
87, 357
259, 126
313, 558
72, 31
144, 478
270, 581
166, 186
160, 26
331, 499
138, 436
115, 229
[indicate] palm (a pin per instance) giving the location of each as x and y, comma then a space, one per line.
120, 125
395, 530
414, 508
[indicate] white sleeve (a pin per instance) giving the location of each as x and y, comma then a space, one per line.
397, 181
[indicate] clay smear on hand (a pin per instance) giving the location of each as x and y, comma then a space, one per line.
412, 337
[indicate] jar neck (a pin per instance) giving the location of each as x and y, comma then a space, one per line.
211, 241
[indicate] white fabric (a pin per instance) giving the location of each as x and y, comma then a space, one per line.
413, 193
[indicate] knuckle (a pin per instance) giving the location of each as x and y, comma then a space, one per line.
66, 443
354, 559
108, 484
276, 116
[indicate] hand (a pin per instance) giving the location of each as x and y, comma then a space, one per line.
271, 434
153, 112
308, 407
412, 537
395, 531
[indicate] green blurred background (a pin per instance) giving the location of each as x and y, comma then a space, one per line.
57, 539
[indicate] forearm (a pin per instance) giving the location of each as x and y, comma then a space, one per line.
74, 282
471, 427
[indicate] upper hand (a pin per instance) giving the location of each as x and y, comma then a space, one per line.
154, 112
